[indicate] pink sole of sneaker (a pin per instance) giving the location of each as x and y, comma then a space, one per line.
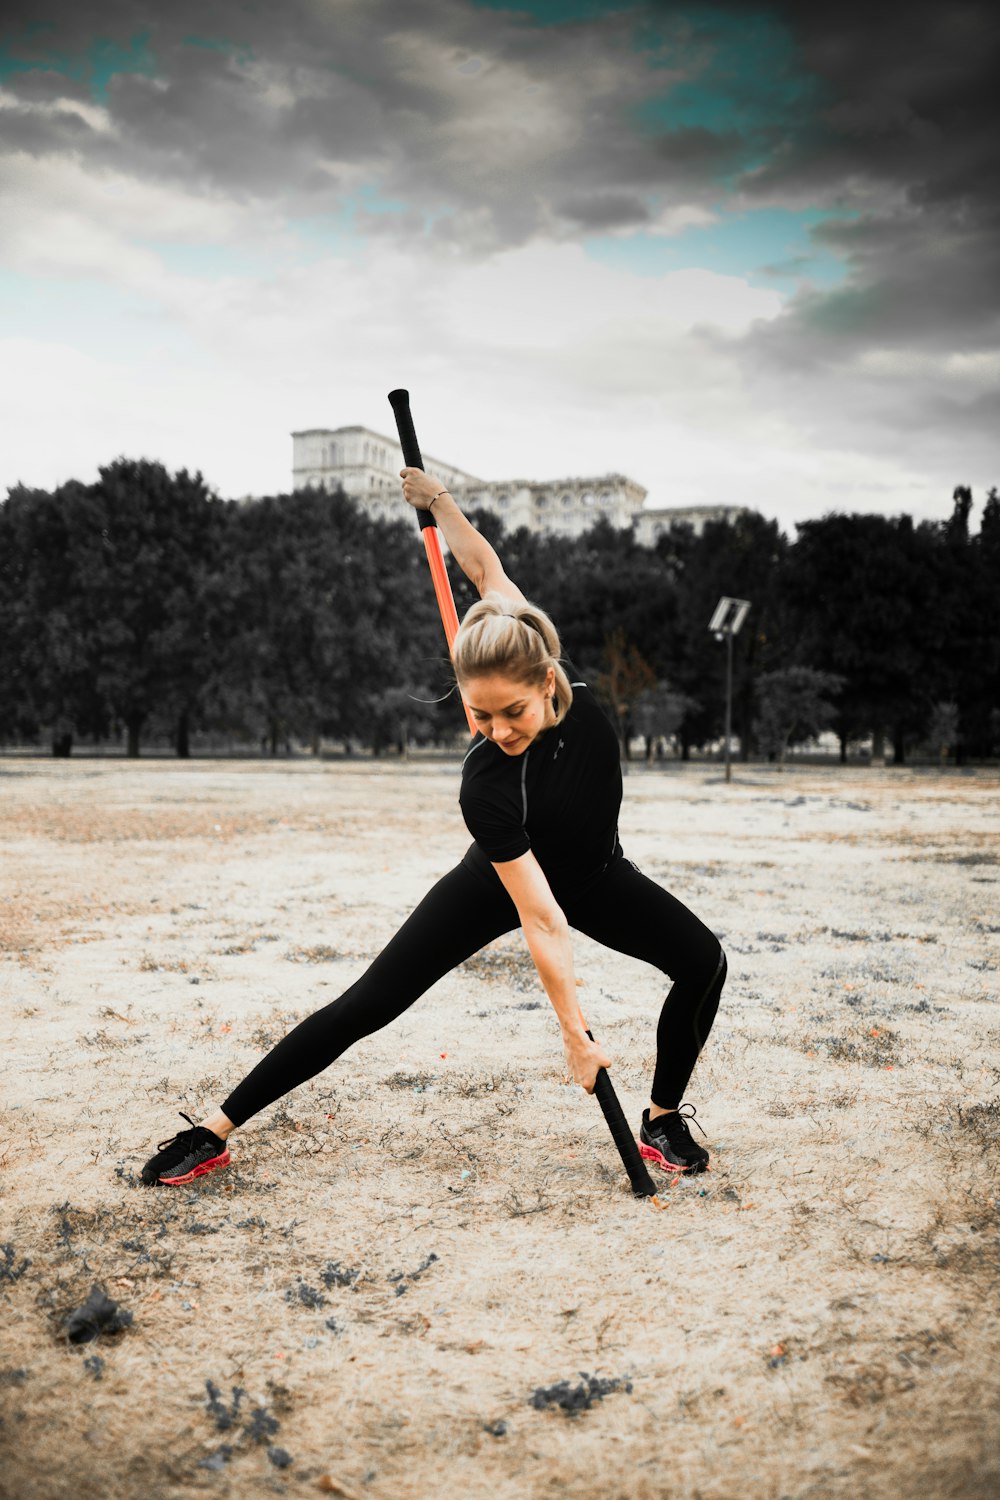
651, 1154
215, 1165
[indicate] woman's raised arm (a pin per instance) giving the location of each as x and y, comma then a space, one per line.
473, 553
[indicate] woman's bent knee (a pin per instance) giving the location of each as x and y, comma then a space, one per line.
712, 976
705, 969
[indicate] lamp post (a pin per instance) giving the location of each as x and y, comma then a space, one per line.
725, 622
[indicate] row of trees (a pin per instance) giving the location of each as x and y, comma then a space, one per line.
143, 605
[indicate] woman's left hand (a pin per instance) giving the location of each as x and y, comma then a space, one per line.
419, 488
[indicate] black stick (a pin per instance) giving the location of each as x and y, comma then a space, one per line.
642, 1184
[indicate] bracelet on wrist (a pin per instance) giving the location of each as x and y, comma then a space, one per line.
436, 497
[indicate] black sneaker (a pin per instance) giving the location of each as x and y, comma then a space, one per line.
190, 1154
669, 1143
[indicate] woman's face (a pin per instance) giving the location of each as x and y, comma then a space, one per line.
509, 712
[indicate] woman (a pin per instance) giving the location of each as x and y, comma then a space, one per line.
541, 790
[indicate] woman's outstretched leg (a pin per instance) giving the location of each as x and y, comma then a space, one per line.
457, 917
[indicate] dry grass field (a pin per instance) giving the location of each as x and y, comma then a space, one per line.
424, 1275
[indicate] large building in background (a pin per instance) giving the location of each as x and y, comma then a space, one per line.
366, 465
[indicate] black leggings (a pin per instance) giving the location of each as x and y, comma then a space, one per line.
461, 914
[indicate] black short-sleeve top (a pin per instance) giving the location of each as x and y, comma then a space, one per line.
560, 798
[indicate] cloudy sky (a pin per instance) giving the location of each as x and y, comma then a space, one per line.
737, 252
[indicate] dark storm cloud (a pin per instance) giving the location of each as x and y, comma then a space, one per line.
908, 95
45, 85
905, 137
219, 118
62, 131
489, 130
900, 142
249, 98
469, 112
604, 211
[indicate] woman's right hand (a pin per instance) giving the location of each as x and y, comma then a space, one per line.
584, 1059
419, 488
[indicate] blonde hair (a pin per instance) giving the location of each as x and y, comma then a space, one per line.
518, 640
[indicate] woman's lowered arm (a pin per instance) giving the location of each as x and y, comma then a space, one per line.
546, 933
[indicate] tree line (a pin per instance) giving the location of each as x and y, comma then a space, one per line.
143, 606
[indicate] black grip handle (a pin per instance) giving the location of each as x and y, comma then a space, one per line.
399, 400
642, 1184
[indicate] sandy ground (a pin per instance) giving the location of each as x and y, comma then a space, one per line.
424, 1274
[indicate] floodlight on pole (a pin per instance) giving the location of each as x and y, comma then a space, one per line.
724, 624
